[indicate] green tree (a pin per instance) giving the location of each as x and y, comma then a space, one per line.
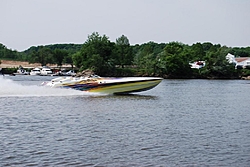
143, 59
124, 53
216, 64
149, 59
207, 46
241, 52
59, 56
2, 47
177, 63
69, 59
147, 64
43, 56
197, 52
77, 59
97, 48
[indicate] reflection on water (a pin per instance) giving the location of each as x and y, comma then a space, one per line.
126, 96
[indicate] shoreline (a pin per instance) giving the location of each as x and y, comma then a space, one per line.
25, 64
16, 64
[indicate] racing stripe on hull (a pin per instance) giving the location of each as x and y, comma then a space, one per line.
126, 87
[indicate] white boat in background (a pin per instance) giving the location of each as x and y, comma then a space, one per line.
104, 85
35, 71
46, 71
65, 73
21, 71
69, 73
198, 64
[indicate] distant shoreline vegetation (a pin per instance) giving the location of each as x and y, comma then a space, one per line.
119, 58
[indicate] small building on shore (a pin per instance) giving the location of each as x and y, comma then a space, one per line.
240, 62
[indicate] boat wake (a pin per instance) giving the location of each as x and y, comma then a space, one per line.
10, 88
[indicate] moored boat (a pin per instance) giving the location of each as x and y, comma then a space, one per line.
105, 85
46, 71
35, 71
21, 71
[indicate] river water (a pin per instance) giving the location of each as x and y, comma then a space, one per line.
178, 123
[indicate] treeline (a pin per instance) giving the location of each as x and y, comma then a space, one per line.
8, 54
119, 58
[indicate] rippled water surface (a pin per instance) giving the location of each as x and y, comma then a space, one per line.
178, 123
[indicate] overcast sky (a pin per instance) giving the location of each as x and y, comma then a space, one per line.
26, 23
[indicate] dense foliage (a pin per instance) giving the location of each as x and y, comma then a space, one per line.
8, 54
119, 58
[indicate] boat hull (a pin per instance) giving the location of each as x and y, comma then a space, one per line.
126, 87
109, 85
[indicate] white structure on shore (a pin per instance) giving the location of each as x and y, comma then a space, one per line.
231, 58
197, 64
240, 62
